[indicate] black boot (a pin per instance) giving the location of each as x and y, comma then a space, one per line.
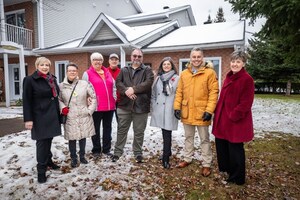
83, 160
165, 162
72, 148
52, 165
82, 143
74, 162
42, 177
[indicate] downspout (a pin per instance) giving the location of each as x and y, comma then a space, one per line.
40, 23
123, 57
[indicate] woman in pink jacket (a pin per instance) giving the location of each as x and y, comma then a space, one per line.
106, 96
232, 125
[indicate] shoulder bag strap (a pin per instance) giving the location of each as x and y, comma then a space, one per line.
72, 93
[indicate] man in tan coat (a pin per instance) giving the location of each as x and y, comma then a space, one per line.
195, 101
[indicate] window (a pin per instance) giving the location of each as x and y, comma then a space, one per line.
215, 60
60, 70
16, 18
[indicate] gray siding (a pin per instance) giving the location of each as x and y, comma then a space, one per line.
182, 17
105, 34
69, 19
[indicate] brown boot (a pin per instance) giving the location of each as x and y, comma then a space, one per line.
206, 171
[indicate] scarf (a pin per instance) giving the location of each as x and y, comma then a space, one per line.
165, 77
51, 82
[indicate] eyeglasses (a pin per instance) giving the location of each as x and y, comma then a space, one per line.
139, 56
72, 71
97, 59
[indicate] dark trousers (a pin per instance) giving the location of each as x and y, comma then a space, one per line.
43, 154
167, 139
231, 159
72, 148
116, 114
106, 118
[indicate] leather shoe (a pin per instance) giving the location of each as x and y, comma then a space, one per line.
166, 165
115, 158
52, 165
83, 160
183, 164
206, 171
74, 163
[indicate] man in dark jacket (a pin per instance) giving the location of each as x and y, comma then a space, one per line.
134, 86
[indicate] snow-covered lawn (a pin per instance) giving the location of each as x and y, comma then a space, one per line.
18, 176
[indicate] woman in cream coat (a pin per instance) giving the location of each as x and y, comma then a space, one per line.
79, 124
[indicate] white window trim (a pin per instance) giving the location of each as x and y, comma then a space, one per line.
15, 12
205, 58
220, 68
57, 63
180, 63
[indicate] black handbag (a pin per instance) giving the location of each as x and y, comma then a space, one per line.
63, 118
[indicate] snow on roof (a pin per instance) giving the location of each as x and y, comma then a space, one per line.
203, 34
131, 33
163, 12
70, 44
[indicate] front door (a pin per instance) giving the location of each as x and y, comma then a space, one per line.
15, 81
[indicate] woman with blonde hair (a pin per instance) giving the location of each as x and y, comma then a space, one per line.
41, 113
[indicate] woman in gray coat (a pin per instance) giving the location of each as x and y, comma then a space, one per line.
162, 98
79, 124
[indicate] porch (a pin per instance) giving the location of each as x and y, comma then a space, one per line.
18, 35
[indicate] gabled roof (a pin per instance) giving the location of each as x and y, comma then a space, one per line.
164, 14
116, 33
119, 29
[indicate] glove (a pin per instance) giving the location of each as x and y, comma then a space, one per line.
65, 111
177, 114
206, 116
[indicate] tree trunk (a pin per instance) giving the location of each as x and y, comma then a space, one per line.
288, 88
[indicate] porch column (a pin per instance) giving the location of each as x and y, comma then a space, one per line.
40, 23
22, 67
123, 57
6, 78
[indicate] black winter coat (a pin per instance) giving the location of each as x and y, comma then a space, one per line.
41, 107
141, 81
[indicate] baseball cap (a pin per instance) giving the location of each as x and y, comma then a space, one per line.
113, 55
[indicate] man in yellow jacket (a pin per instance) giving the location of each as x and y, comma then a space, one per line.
195, 101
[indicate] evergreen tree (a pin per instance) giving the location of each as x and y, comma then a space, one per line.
220, 16
209, 21
275, 54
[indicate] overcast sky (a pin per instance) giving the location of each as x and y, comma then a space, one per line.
201, 10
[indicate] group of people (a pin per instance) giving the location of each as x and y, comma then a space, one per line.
131, 93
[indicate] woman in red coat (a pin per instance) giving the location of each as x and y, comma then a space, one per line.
233, 125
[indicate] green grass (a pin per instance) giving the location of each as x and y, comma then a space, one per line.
272, 165
294, 97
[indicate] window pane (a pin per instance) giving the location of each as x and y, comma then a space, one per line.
17, 88
16, 74
62, 71
11, 19
21, 20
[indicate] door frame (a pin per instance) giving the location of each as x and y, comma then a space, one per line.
12, 89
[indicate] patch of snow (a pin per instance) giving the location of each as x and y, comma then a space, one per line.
18, 174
